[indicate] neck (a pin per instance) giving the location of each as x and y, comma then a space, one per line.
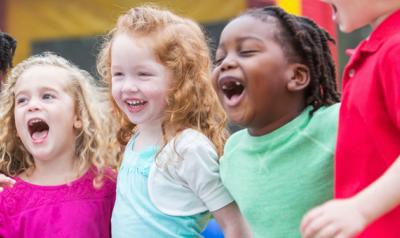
379, 20
53, 172
149, 135
279, 122
286, 114
388, 10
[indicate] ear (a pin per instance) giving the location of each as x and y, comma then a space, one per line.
77, 123
299, 77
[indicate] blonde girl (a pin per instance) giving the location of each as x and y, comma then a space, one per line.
55, 141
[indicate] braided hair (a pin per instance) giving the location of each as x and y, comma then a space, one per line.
7, 50
303, 41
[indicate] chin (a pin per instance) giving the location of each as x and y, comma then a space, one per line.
238, 122
348, 28
345, 29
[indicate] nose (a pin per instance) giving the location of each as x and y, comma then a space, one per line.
229, 62
130, 85
34, 105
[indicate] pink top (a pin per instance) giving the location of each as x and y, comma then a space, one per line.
71, 210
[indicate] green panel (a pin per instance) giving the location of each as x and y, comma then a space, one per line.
80, 51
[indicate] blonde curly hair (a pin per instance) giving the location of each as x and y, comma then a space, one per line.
180, 45
94, 142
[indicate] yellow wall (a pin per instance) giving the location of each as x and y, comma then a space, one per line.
30, 20
292, 6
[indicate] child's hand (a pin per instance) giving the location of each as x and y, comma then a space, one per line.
6, 181
334, 219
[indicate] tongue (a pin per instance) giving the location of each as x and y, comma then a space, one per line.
234, 99
39, 135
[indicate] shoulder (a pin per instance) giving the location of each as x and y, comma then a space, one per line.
389, 51
322, 128
392, 41
186, 150
189, 143
325, 118
327, 112
16, 199
235, 139
237, 136
190, 138
105, 188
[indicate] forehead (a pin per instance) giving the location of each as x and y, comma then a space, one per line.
134, 51
136, 48
43, 76
248, 26
133, 42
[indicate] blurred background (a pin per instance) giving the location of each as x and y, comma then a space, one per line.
74, 28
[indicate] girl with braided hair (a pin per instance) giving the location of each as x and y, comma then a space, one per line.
275, 77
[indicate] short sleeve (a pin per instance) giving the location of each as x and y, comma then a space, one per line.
200, 171
390, 74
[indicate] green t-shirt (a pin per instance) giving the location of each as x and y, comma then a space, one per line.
276, 178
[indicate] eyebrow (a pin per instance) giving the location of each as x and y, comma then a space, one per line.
45, 88
244, 38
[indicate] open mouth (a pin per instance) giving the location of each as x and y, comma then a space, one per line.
38, 129
231, 87
135, 105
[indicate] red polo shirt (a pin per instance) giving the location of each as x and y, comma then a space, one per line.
369, 121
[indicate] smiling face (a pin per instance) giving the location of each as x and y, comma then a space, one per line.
139, 81
45, 113
251, 75
353, 14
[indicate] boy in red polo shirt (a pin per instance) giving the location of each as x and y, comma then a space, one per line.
367, 166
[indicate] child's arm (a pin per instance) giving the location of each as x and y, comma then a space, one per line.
232, 222
347, 217
199, 170
6, 181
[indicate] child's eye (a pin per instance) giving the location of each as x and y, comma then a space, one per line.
21, 100
220, 55
218, 61
116, 74
48, 96
144, 74
247, 52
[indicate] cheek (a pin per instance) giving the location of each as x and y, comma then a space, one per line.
115, 92
159, 96
18, 122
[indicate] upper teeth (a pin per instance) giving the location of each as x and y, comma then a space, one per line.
237, 83
135, 102
31, 122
